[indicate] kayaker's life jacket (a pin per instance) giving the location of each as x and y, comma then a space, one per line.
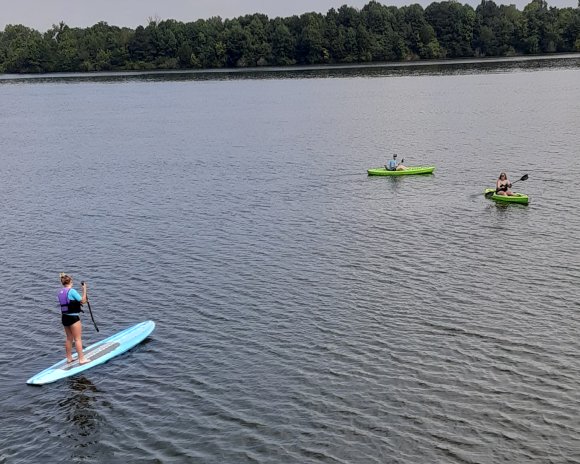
70, 307
392, 165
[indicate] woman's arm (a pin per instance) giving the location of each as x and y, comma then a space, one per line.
84, 296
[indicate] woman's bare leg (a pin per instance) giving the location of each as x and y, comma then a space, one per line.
76, 331
68, 343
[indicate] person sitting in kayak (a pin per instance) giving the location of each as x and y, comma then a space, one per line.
392, 165
503, 185
70, 307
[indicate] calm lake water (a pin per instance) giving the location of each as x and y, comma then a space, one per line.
306, 313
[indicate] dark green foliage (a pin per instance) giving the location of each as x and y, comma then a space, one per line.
282, 44
454, 27
23, 50
377, 32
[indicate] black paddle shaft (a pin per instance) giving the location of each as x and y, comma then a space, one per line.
91, 312
524, 177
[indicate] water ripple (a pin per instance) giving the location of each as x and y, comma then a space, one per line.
305, 311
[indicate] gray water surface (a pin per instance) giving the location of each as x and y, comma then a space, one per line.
306, 313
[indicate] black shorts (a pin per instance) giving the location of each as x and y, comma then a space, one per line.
69, 320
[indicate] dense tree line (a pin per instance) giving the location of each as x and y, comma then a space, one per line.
345, 35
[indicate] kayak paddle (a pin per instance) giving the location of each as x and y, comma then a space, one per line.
91, 312
493, 192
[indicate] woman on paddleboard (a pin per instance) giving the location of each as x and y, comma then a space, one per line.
70, 307
503, 185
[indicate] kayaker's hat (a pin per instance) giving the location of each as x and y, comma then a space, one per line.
395, 155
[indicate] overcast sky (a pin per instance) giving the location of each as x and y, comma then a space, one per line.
42, 14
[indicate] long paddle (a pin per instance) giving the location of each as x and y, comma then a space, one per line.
91, 312
493, 192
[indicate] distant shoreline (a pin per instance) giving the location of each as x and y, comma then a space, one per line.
276, 69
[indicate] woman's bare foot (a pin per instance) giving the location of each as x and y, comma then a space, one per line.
83, 360
69, 360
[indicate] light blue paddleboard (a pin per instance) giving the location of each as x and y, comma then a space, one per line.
98, 353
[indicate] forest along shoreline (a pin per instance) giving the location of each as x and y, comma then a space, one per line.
282, 69
375, 33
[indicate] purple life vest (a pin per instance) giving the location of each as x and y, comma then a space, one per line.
68, 306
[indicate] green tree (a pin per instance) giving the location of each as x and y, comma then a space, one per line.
237, 43
259, 49
207, 40
535, 14
453, 24
310, 47
283, 44
140, 46
419, 35
24, 50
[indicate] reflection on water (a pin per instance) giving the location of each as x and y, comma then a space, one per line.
306, 311
78, 406
79, 410
414, 68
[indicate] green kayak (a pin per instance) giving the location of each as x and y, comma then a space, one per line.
406, 172
515, 198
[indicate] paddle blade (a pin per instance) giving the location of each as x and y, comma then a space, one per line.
524, 177
489, 194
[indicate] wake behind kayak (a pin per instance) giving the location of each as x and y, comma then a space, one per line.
96, 354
